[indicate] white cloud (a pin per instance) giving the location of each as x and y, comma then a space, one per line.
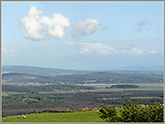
124, 46
133, 50
127, 49
87, 27
136, 51
97, 48
32, 25
93, 48
151, 52
9, 51
39, 27
141, 24
56, 24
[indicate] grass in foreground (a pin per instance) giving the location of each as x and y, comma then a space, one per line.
89, 116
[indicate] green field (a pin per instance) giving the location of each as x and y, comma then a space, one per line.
4, 93
78, 116
89, 116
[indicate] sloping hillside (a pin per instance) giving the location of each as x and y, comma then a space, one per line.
40, 70
17, 76
97, 77
49, 75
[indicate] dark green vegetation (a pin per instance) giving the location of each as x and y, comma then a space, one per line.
44, 88
132, 112
31, 99
124, 86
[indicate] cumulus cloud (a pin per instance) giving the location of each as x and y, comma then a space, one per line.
56, 24
141, 24
39, 27
87, 27
32, 25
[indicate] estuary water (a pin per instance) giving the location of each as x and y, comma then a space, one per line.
104, 86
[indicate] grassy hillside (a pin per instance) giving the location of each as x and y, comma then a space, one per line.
95, 115
89, 116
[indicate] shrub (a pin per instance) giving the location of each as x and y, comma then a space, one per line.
132, 112
109, 114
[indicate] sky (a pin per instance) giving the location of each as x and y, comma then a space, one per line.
82, 35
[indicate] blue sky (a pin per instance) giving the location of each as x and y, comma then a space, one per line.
82, 35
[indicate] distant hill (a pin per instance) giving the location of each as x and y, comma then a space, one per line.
39, 70
18, 76
141, 68
54, 72
50, 75
144, 73
96, 77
